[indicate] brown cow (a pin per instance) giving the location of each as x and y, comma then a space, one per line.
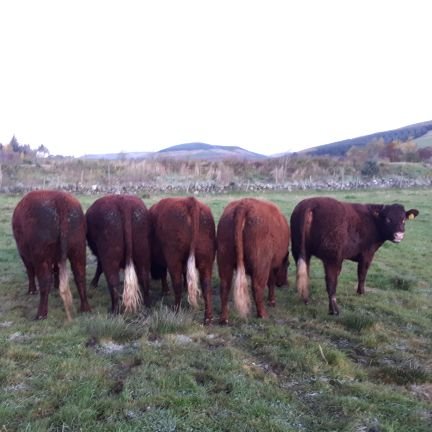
49, 228
118, 234
184, 241
252, 238
334, 231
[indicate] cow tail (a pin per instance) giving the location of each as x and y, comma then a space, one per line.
191, 270
132, 296
302, 274
241, 292
64, 288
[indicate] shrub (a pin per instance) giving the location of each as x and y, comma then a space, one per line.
370, 169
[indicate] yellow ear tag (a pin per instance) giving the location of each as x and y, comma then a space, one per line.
411, 216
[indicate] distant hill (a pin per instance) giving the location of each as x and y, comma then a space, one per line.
416, 132
424, 140
117, 156
195, 151
199, 150
420, 133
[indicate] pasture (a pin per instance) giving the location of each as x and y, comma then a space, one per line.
367, 370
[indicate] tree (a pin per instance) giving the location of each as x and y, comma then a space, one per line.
370, 168
42, 151
14, 145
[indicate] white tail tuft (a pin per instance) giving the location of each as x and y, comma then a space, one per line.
241, 293
65, 292
192, 281
132, 297
302, 280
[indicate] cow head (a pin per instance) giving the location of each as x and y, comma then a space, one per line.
391, 220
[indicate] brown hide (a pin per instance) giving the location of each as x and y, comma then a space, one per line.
253, 238
118, 234
49, 228
183, 242
334, 231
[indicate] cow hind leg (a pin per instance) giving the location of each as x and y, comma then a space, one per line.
205, 281
112, 276
78, 266
144, 281
56, 273
32, 289
44, 277
225, 287
271, 300
164, 284
332, 271
176, 274
258, 286
94, 282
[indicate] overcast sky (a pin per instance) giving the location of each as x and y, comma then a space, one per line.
270, 76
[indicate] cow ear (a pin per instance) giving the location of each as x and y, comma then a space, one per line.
412, 214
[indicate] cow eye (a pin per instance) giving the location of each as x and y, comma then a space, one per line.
388, 220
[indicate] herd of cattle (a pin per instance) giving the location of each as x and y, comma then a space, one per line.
177, 236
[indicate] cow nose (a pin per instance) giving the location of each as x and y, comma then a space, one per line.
398, 237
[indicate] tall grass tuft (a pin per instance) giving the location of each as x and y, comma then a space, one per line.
357, 321
163, 319
406, 373
112, 327
404, 283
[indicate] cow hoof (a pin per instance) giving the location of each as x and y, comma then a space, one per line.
223, 322
272, 304
40, 317
207, 321
32, 292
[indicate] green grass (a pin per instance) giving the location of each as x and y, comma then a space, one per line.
370, 369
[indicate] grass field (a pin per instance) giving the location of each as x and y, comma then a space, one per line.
368, 370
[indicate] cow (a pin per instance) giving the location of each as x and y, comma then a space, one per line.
183, 242
253, 239
50, 228
118, 234
333, 231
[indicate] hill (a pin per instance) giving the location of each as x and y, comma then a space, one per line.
199, 150
117, 156
194, 151
416, 132
420, 133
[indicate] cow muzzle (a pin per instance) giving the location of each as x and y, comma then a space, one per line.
398, 237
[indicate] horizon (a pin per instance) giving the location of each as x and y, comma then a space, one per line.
216, 145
